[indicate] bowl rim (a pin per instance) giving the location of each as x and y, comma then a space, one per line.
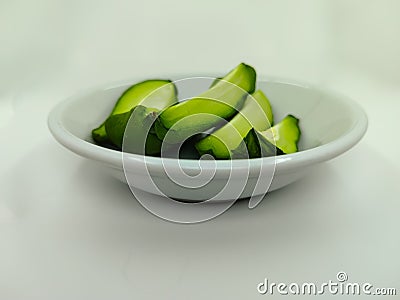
282, 163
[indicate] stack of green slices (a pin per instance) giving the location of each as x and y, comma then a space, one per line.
230, 120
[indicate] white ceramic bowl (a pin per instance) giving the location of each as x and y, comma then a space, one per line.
330, 123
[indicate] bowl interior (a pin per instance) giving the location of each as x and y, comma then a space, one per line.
324, 116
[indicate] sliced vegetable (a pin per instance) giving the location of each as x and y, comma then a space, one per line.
147, 117
205, 111
282, 138
258, 146
136, 124
227, 142
150, 93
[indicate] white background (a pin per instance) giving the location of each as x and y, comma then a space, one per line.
70, 232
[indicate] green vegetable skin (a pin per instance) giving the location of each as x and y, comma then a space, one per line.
215, 81
282, 138
227, 142
205, 111
140, 121
150, 93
